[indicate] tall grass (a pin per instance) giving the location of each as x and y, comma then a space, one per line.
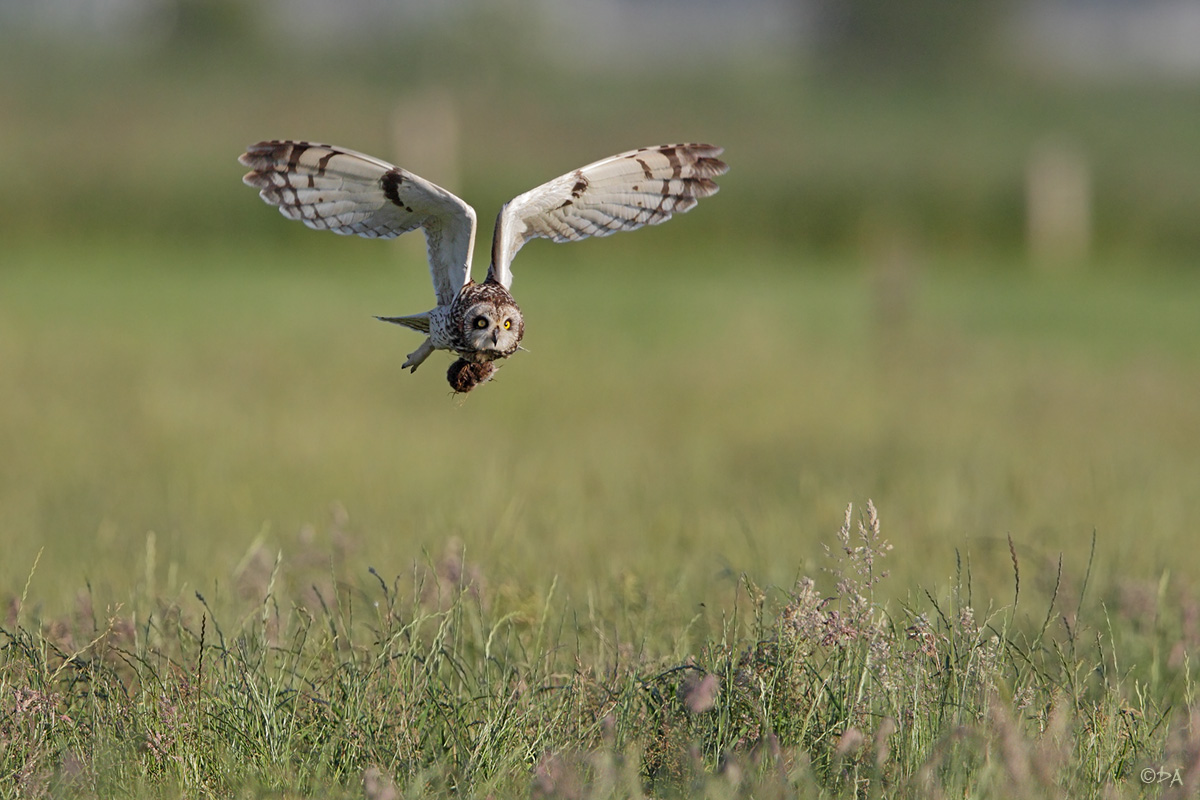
432, 683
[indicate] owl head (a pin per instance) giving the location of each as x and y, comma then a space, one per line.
493, 329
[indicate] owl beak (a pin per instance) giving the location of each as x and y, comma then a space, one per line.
496, 336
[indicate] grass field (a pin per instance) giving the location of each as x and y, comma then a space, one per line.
630, 503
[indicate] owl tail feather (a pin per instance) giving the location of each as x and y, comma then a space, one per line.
418, 322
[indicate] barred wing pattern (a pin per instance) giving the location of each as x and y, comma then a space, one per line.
619, 193
340, 190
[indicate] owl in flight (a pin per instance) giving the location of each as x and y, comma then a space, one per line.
331, 188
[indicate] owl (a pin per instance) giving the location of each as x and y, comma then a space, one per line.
335, 189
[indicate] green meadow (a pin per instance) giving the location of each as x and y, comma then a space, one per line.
821, 490
231, 422
671, 421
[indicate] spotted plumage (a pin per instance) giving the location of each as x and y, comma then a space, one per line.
331, 188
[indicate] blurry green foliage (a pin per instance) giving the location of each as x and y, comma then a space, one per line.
825, 153
915, 38
212, 25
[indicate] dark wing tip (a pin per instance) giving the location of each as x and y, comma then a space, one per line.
256, 179
704, 187
706, 162
270, 151
260, 153
710, 167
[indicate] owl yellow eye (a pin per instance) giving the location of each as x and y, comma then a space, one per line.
507, 324
481, 322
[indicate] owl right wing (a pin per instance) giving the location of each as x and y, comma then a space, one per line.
331, 188
619, 193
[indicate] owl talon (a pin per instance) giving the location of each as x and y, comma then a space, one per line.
418, 356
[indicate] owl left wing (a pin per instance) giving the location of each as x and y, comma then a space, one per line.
619, 193
336, 189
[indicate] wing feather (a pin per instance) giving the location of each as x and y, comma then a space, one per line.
619, 193
335, 189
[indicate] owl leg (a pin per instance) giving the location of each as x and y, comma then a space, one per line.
418, 356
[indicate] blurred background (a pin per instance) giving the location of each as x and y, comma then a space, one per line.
1059, 129
952, 268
